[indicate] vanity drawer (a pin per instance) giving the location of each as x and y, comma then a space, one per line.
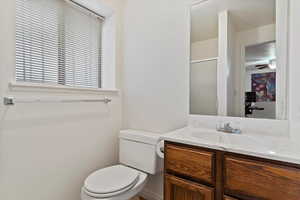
251, 179
180, 189
191, 162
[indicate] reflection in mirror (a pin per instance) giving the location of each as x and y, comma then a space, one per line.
204, 55
252, 68
260, 80
203, 87
233, 59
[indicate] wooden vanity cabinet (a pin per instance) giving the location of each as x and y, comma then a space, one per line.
193, 173
180, 189
191, 162
189, 173
248, 178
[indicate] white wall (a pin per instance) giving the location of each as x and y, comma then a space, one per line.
47, 150
156, 68
204, 49
156, 64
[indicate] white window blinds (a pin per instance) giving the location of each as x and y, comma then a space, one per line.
58, 43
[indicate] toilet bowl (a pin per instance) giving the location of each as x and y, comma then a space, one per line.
124, 194
138, 160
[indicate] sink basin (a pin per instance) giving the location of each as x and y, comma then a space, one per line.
240, 142
205, 135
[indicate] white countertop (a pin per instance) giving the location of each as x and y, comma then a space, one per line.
269, 147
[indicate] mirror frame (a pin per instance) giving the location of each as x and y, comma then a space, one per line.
282, 34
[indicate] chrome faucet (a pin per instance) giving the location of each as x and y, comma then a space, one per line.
228, 129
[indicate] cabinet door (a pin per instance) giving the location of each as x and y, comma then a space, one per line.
180, 189
252, 179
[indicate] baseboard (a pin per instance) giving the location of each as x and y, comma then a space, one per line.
149, 195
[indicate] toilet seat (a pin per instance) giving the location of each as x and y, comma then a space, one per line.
111, 181
123, 196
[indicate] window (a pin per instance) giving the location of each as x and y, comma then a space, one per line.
58, 42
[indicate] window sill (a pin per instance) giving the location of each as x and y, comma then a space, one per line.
36, 87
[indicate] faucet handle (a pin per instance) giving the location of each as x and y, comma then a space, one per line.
219, 125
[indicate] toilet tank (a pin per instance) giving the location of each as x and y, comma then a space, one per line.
138, 150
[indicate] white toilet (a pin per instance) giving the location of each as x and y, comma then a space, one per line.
138, 158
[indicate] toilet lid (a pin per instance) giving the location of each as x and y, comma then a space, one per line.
111, 179
107, 195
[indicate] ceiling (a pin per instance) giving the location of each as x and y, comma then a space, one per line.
260, 54
246, 14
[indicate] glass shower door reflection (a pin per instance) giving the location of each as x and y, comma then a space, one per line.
203, 87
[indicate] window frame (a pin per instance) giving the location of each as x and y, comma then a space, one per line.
108, 41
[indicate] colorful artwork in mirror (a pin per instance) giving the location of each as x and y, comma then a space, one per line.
264, 84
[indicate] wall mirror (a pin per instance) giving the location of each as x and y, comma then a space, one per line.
238, 58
